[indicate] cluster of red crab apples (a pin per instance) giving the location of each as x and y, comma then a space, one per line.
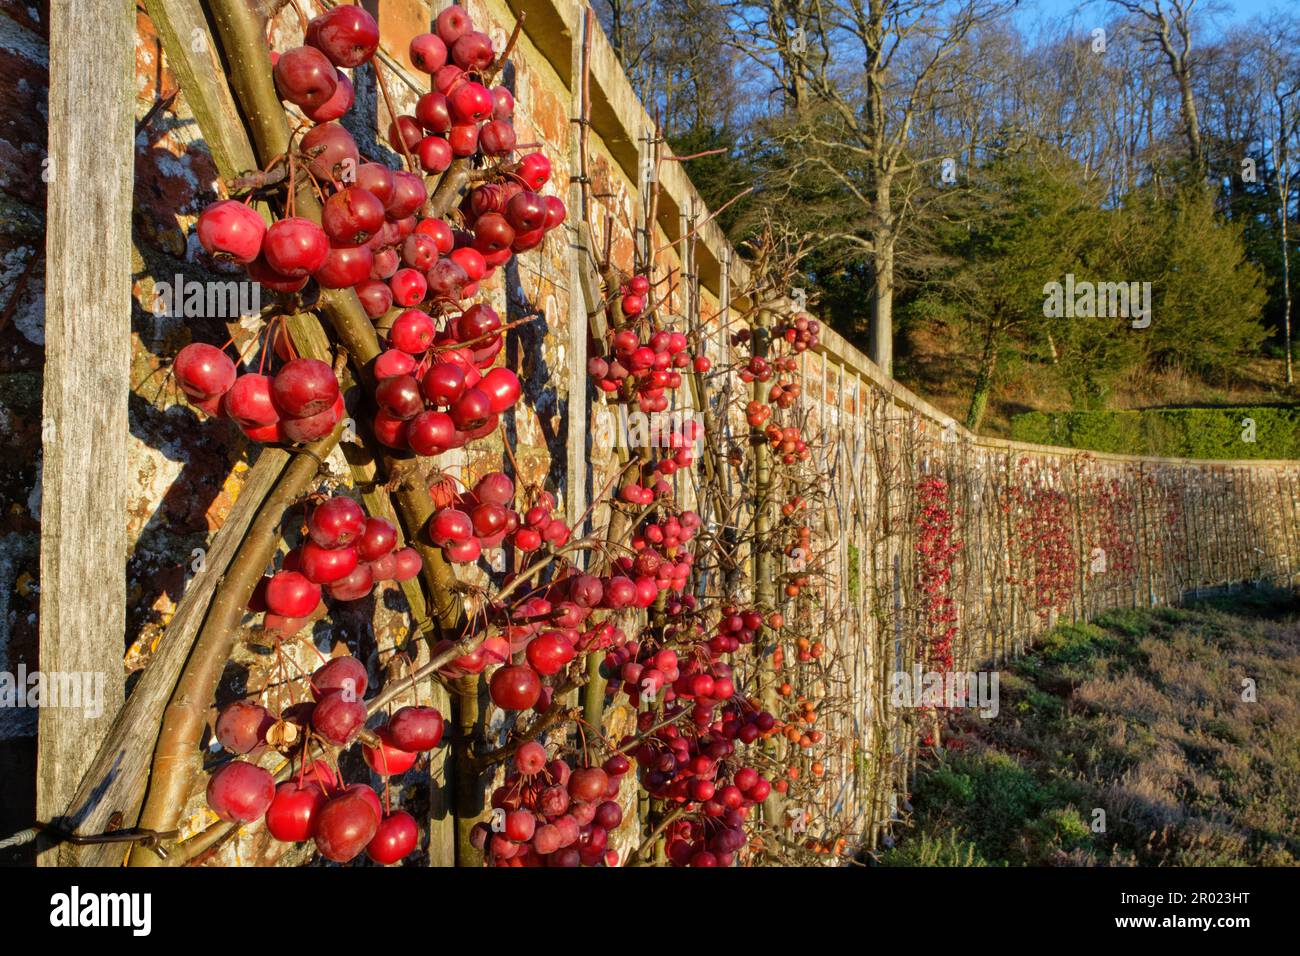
484, 518
345, 554
370, 237
547, 813
647, 370
343, 820
434, 388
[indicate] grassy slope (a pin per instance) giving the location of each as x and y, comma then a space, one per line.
1141, 715
934, 368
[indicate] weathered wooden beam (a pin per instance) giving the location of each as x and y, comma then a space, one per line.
115, 781
182, 26
85, 426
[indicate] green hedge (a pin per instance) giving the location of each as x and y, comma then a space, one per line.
1169, 432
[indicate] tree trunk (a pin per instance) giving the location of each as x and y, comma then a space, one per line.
979, 399
880, 343
1284, 187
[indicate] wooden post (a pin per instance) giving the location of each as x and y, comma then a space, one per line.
87, 380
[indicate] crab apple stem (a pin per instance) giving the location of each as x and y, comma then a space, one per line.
500, 62
392, 115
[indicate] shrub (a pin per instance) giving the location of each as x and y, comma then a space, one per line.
1211, 433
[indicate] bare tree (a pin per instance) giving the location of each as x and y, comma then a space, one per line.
1279, 79
1167, 25
865, 72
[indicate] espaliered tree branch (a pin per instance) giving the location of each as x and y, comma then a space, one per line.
176, 758
242, 35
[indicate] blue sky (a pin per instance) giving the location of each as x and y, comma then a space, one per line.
1220, 13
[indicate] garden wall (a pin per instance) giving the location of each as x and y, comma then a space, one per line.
1038, 534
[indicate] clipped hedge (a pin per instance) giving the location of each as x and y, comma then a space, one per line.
1169, 432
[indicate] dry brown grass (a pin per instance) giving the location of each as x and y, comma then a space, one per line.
1146, 717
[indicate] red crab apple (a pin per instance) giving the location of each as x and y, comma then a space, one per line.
409, 194
470, 102
337, 719
452, 24
336, 522
416, 728
495, 488
352, 215
408, 287
444, 383
472, 410
497, 137
378, 538
463, 139
400, 396
305, 77
291, 594
471, 261
345, 674
492, 233
526, 211
203, 371
385, 568
338, 104
240, 792
420, 251
348, 35
447, 77
555, 211
404, 133
345, 267
305, 387
530, 758
295, 246
291, 817
463, 552
448, 276
231, 230
333, 151
242, 726
407, 563
389, 430
440, 231
412, 332
388, 759
310, 427
588, 784
431, 433
396, 837
376, 179
435, 154
515, 687
503, 103
428, 52
356, 585
392, 363
472, 51
450, 526
262, 273
387, 261
549, 652
327, 565
502, 389
535, 170
345, 825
